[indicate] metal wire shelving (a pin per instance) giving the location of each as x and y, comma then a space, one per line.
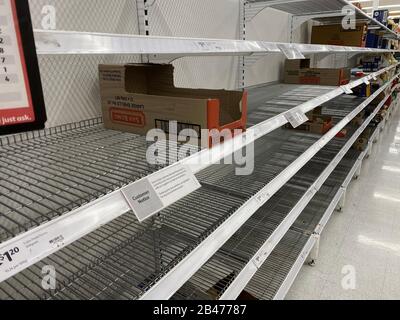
124, 259
102, 200
275, 277
226, 274
325, 11
70, 177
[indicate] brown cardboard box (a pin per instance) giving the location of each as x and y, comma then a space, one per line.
295, 64
139, 97
367, 133
321, 124
317, 124
361, 144
299, 72
359, 119
336, 35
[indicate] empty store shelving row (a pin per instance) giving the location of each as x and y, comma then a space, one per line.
62, 202
72, 166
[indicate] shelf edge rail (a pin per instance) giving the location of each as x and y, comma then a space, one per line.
69, 42
38, 243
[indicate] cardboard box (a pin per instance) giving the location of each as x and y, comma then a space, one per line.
381, 16
372, 40
299, 72
363, 91
359, 119
342, 133
139, 97
317, 124
336, 35
361, 144
367, 133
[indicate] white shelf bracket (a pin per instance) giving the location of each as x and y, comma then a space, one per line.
357, 174
314, 253
342, 201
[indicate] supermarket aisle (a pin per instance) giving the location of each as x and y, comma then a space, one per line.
364, 239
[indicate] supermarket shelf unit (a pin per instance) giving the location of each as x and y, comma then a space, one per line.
247, 245
67, 181
275, 277
182, 264
325, 11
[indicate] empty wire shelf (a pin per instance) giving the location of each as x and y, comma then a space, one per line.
124, 259
58, 170
219, 273
272, 279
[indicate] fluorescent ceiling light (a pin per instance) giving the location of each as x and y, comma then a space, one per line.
384, 7
386, 197
391, 169
385, 245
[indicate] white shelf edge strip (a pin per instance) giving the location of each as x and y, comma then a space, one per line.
86, 219
185, 269
240, 282
294, 271
68, 42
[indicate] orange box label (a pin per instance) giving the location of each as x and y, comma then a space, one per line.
128, 117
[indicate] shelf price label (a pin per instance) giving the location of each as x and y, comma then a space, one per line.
296, 118
12, 259
207, 46
150, 195
347, 89
290, 51
366, 81
17, 255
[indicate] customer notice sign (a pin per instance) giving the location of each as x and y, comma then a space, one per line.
152, 194
21, 96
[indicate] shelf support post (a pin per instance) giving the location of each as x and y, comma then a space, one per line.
342, 201
313, 256
357, 174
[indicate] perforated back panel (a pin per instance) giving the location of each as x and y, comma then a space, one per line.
204, 19
70, 83
116, 16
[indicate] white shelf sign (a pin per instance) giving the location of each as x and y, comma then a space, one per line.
150, 195
15, 101
291, 52
296, 118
